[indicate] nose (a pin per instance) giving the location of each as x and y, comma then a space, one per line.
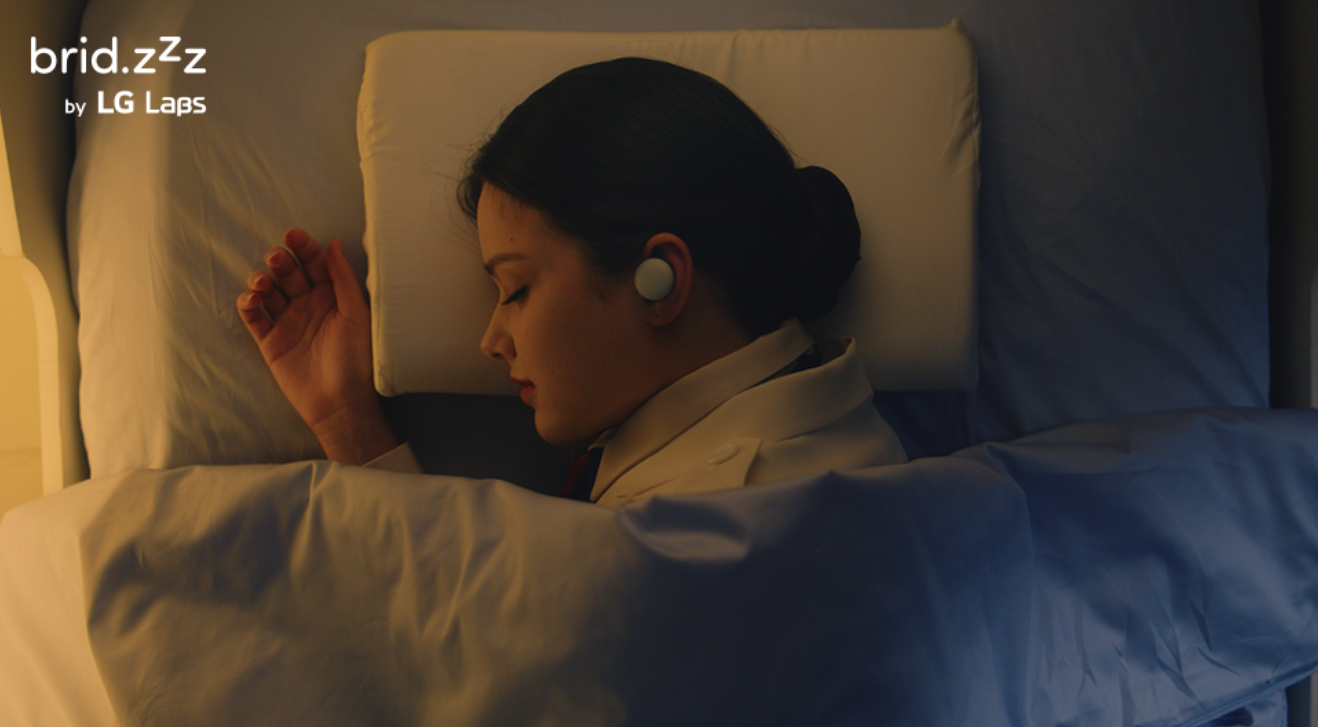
496, 343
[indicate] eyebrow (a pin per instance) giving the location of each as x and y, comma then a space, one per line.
500, 259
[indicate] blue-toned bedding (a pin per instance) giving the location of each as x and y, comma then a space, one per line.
1153, 570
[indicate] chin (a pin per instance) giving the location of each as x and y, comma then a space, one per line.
557, 432
553, 432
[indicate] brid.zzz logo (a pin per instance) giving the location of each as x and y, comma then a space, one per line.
105, 61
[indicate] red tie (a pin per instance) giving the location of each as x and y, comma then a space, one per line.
581, 475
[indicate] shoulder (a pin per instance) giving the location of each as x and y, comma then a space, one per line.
791, 426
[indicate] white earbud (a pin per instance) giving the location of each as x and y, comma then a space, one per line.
654, 279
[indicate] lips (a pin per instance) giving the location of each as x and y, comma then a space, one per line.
527, 389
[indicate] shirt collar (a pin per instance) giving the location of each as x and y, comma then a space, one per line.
683, 403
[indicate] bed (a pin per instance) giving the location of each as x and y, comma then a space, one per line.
1110, 516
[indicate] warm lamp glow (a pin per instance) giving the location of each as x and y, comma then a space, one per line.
29, 319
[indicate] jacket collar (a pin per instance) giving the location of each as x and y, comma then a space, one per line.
689, 399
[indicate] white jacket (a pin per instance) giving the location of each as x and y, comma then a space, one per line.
737, 421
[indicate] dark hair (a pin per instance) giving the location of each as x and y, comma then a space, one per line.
614, 153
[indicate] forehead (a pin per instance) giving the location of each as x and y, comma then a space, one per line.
509, 229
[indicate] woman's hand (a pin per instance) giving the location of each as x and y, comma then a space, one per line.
313, 327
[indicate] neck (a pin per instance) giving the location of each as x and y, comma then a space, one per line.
703, 333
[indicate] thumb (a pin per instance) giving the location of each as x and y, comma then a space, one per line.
347, 291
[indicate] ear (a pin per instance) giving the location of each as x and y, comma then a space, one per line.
671, 249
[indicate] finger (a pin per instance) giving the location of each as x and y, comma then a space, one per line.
291, 280
257, 322
308, 253
347, 291
268, 293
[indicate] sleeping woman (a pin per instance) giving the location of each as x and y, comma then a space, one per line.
655, 249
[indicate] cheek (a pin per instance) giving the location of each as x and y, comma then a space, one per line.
570, 347
565, 348
544, 334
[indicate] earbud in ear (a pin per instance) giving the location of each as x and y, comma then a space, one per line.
654, 279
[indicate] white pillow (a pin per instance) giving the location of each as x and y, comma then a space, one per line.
892, 112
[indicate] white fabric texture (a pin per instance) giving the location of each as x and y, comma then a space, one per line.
398, 459
47, 675
730, 424
892, 112
989, 587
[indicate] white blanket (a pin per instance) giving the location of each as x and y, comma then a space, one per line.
321, 594
1154, 570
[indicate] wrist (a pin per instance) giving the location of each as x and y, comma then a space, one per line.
356, 434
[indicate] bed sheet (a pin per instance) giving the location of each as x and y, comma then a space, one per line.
47, 675
1153, 570
1122, 210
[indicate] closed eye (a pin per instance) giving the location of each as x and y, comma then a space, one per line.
516, 296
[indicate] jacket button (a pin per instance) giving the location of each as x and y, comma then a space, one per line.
723, 454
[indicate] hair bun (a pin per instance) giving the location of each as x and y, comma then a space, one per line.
833, 244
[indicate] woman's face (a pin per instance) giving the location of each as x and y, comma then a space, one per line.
569, 337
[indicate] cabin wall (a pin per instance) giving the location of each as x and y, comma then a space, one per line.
35, 165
